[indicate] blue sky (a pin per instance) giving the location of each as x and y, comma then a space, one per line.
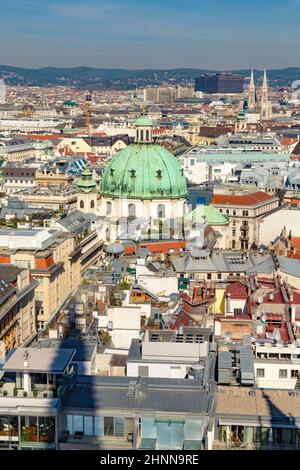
217, 34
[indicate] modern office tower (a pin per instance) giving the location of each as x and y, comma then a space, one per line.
220, 83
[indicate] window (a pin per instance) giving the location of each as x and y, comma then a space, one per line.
283, 373
119, 427
219, 276
233, 233
81, 204
234, 212
209, 276
294, 374
131, 210
245, 213
192, 162
108, 208
237, 311
260, 373
161, 212
143, 371
92, 205
108, 426
88, 425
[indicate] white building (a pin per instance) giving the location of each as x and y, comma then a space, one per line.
160, 355
277, 366
123, 324
272, 224
161, 286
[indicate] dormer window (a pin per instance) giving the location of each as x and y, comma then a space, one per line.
112, 172
132, 173
158, 174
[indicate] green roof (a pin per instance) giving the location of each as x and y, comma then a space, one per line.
143, 121
144, 171
208, 214
86, 182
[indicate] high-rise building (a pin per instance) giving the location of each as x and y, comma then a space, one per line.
150, 95
184, 92
159, 95
220, 83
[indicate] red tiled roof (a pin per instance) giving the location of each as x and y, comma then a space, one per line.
241, 200
183, 319
237, 290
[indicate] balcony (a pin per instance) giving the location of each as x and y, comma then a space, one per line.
11, 387
79, 441
244, 237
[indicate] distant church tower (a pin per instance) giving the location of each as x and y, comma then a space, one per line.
265, 107
252, 94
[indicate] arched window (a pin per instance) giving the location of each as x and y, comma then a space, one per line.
92, 205
233, 244
81, 204
142, 135
161, 211
132, 210
108, 208
147, 135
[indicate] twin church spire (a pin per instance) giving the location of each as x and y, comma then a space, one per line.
265, 104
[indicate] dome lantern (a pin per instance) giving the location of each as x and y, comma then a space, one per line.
144, 127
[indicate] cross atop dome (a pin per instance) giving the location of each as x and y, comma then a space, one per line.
144, 127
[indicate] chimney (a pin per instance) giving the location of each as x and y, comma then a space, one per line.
25, 356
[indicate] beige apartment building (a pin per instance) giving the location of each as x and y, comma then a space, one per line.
245, 213
17, 308
53, 259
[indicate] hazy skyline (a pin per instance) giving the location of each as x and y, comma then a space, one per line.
136, 34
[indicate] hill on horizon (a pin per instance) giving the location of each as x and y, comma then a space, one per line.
92, 77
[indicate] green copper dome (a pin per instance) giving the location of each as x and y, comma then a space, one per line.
143, 121
144, 171
86, 182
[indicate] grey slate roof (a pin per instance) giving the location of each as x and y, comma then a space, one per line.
77, 221
289, 266
157, 395
39, 360
225, 262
